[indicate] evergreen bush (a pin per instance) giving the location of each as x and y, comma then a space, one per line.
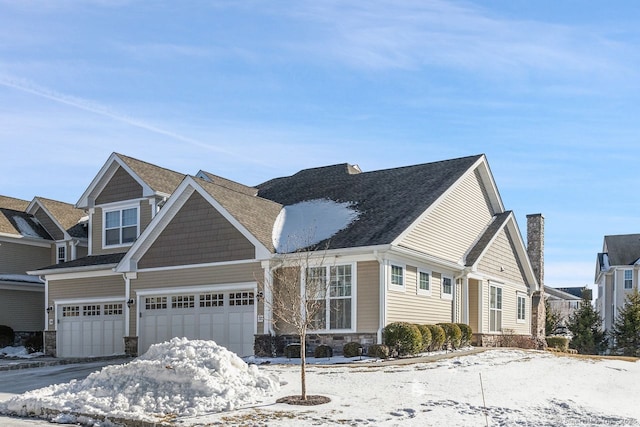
323, 351
7, 336
350, 349
453, 334
402, 338
438, 337
380, 351
426, 336
467, 334
560, 343
292, 351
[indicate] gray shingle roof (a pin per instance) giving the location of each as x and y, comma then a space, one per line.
388, 200
91, 260
623, 249
232, 185
492, 229
256, 214
22, 224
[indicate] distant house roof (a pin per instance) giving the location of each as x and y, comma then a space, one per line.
621, 249
560, 294
388, 201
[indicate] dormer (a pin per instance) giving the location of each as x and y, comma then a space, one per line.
122, 200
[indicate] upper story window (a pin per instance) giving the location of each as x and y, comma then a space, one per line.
120, 226
628, 279
61, 253
447, 288
424, 282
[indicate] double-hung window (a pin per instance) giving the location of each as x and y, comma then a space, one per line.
521, 309
495, 309
61, 253
120, 226
424, 282
628, 279
329, 294
447, 288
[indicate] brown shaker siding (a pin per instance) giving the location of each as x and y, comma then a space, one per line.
48, 224
121, 187
368, 294
198, 234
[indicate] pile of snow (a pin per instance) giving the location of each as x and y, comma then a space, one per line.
175, 378
306, 223
18, 352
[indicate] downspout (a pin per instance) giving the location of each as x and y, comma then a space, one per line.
383, 296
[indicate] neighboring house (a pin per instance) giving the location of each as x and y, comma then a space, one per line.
616, 275
179, 255
33, 235
563, 302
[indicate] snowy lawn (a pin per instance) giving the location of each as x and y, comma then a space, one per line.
191, 383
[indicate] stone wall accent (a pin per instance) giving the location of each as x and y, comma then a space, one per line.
535, 250
50, 348
131, 346
273, 346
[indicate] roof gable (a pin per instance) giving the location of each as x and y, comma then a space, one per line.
388, 201
154, 180
622, 249
65, 216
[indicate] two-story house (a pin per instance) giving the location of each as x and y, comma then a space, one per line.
33, 235
179, 255
616, 275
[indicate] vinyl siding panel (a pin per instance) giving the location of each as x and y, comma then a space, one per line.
509, 311
18, 258
92, 287
197, 234
368, 294
120, 187
23, 311
48, 224
455, 223
199, 276
501, 255
409, 307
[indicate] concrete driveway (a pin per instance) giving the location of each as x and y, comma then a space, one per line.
18, 381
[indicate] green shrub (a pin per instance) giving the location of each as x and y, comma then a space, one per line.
292, 351
403, 338
560, 343
351, 349
380, 351
467, 334
438, 337
426, 337
453, 334
323, 351
7, 336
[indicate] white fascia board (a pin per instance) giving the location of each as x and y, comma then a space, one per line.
490, 184
201, 288
21, 240
102, 178
361, 253
401, 252
119, 298
521, 248
76, 272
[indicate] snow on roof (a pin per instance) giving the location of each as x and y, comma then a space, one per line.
181, 377
25, 228
20, 278
306, 223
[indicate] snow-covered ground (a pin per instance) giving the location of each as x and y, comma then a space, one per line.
18, 353
196, 383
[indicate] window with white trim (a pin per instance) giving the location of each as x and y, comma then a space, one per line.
61, 253
397, 275
447, 288
424, 282
241, 298
521, 308
495, 309
329, 292
628, 279
120, 226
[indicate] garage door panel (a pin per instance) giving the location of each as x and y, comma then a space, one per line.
94, 329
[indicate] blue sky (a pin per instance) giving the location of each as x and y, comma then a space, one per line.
252, 90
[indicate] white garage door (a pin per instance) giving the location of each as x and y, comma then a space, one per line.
224, 317
92, 329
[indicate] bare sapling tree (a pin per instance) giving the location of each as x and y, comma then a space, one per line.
296, 294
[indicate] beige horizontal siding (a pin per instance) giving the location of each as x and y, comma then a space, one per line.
500, 260
23, 311
368, 295
110, 286
409, 307
474, 312
455, 223
17, 258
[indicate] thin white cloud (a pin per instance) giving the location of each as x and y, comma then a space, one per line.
87, 105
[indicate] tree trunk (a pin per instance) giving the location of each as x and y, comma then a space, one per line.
303, 373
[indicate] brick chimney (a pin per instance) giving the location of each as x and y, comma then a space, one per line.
535, 250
